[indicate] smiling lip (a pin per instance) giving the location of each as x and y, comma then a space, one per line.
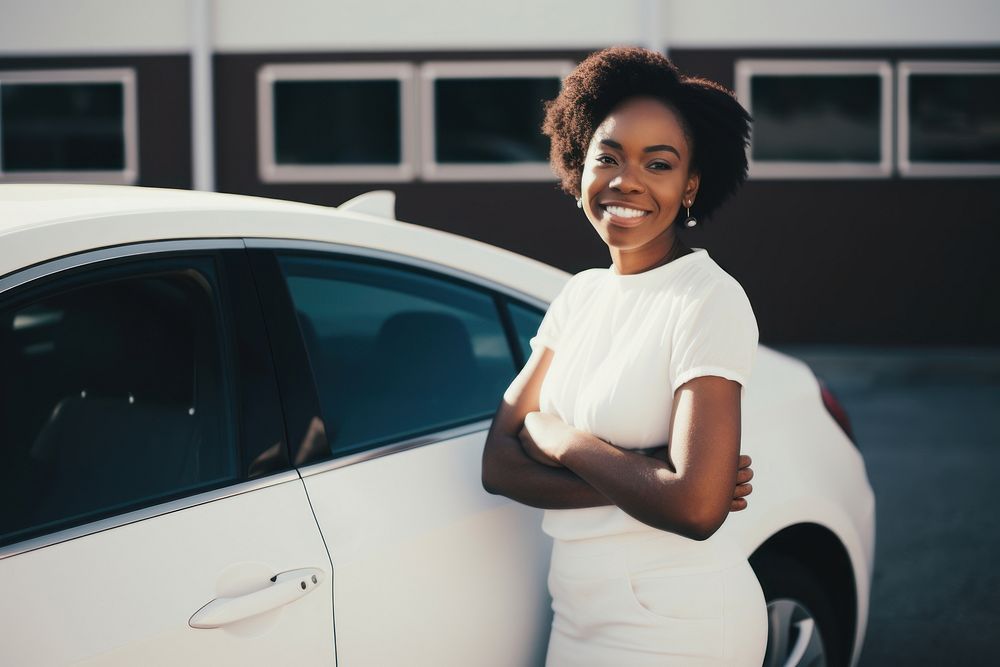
620, 218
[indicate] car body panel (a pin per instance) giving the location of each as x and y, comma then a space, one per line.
125, 595
448, 571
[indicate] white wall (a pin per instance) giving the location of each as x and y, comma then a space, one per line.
736, 23
93, 26
157, 26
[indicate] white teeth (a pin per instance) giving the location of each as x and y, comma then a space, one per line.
623, 212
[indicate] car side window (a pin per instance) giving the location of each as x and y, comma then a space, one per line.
526, 322
396, 352
115, 393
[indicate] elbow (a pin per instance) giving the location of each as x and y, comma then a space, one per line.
491, 475
702, 525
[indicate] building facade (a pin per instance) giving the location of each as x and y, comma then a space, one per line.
872, 211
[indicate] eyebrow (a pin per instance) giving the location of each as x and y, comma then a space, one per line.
648, 149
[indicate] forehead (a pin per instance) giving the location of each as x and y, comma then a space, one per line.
642, 119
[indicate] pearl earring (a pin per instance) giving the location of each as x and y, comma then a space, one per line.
690, 220
579, 202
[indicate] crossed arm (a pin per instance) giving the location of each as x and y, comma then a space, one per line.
537, 459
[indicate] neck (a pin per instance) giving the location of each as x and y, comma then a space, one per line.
637, 260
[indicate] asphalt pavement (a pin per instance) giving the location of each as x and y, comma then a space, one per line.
928, 423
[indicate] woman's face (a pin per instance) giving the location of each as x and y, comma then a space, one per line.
635, 177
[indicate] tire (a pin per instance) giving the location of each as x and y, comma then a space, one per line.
802, 628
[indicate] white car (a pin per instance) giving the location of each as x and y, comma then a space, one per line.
245, 431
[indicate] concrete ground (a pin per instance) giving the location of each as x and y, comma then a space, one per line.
928, 423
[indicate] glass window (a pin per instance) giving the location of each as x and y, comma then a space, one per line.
949, 118
817, 118
483, 120
335, 122
526, 322
491, 120
115, 395
67, 125
396, 353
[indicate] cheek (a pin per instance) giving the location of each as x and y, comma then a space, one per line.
588, 181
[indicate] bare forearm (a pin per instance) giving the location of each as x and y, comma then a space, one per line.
513, 474
646, 488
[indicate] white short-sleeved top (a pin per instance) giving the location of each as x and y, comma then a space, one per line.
623, 344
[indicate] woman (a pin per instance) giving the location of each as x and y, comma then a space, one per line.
625, 422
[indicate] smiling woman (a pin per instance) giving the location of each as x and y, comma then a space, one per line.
625, 422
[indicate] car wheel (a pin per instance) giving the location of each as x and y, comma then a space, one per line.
802, 628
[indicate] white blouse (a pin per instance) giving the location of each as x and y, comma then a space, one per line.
623, 344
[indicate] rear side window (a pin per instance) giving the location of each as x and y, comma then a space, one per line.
115, 394
526, 322
396, 353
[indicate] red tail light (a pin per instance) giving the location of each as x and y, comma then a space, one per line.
836, 410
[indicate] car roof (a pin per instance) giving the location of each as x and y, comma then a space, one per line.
39, 222
24, 205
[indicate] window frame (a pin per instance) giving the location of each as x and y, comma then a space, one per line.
747, 68
912, 168
126, 76
430, 72
255, 423
269, 171
283, 327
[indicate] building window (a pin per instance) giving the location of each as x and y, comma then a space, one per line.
818, 118
335, 123
949, 118
68, 125
482, 121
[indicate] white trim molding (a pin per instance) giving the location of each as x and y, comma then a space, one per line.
271, 172
129, 174
908, 167
746, 69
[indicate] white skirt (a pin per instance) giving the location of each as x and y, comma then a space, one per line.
629, 601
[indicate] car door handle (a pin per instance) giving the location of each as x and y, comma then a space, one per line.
287, 587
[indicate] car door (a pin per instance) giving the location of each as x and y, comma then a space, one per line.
408, 364
150, 513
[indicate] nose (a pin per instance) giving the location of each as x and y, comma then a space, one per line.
626, 180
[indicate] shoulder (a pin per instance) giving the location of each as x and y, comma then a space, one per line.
714, 293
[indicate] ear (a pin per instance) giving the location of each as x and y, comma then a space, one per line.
691, 189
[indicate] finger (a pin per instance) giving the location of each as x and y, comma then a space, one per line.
744, 475
742, 490
737, 505
745, 461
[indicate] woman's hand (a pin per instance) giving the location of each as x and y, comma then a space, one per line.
544, 437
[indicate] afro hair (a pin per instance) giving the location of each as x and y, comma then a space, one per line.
716, 126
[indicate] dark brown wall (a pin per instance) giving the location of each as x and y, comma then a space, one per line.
867, 261
163, 94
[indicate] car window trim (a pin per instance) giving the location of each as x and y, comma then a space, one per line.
145, 513
392, 448
389, 256
50, 267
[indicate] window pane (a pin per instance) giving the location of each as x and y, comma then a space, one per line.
114, 396
337, 122
492, 120
954, 118
526, 323
396, 353
813, 118
62, 126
